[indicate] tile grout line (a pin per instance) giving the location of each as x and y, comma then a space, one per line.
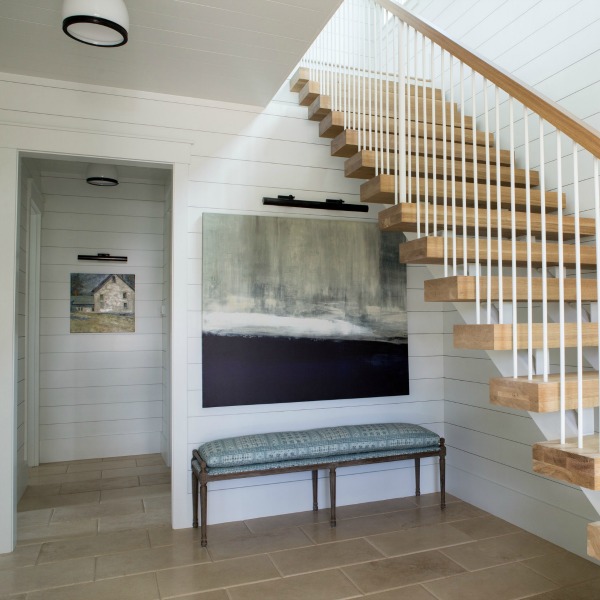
274, 565
355, 585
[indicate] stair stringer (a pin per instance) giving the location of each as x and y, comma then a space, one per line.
547, 423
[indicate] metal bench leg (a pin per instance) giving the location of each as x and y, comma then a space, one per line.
315, 485
442, 473
417, 476
332, 495
203, 500
195, 497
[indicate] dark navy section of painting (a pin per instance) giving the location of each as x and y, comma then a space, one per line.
241, 370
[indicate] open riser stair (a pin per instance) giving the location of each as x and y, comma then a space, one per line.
479, 199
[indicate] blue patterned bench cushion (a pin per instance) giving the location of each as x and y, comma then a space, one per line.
289, 447
273, 466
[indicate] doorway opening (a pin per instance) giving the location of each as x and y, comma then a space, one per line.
96, 402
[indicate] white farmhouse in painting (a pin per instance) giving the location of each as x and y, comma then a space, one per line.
113, 295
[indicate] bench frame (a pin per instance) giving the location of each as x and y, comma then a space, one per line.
201, 477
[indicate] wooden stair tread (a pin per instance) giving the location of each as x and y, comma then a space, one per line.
362, 166
403, 217
461, 288
322, 106
593, 541
430, 251
499, 337
567, 462
345, 145
537, 395
299, 79
333, 124
309, 93
386, 99
380, 190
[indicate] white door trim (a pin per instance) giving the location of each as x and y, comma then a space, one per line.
17, 141
32, 447
9, 185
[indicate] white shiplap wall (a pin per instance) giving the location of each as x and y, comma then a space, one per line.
552, 46
100, 394
231, 172
165, 438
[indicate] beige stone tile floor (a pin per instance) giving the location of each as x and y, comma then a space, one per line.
100, 529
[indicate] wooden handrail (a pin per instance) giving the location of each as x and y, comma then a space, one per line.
579, 131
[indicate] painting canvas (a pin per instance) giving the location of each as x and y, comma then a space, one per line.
301, 309
102, 303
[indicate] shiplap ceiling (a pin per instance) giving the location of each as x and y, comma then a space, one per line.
231, 50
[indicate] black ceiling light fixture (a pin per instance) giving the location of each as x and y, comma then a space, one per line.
104, 175
103, 23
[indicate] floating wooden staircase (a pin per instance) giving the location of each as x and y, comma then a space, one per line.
456, 157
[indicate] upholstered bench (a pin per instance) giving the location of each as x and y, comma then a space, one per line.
311, 450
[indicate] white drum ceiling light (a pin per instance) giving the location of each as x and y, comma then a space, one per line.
100, 174
96, 22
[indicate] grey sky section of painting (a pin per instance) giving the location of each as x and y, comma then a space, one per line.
82, 284
307, 268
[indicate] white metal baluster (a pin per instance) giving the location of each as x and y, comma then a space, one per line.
433, 140
381, 88
416, 141
542, 186
578, 296
333, 63
452, 166
528, 237
376, 81
319, 64
444, 160
339, 79
387, 93
407, 117
488, 202
396, 68
356, 123
326, 55
499, 208
463, 162
597, 242
362, 99
383, 73
425, 155
323, 82
308, 62
345, 63
370, 84
514, 236
401, 118
561, 290
475, 201
355, 62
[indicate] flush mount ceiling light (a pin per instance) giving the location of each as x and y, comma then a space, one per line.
105, 175
96, 22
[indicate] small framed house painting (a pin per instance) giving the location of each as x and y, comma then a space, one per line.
102, 303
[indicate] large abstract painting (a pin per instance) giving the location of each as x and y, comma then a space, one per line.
301, 309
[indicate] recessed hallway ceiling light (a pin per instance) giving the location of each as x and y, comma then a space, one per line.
105, 175
96, 22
